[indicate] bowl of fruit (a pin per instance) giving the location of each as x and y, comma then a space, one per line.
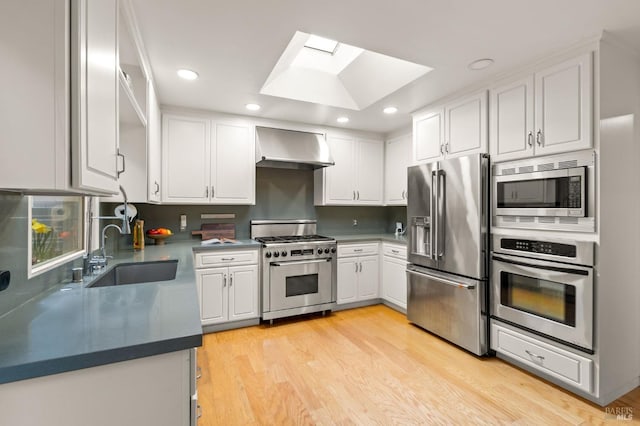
158, 235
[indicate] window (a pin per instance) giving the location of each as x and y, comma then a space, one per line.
56, 231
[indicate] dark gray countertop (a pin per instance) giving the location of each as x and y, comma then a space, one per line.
354, 238
72, 327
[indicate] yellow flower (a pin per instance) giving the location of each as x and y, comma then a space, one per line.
39, 228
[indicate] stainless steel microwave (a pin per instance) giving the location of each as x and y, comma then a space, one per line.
555, 192
547, 193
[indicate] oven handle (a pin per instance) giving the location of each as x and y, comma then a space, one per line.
546, 268
298, 262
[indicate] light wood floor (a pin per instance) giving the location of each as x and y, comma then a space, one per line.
370, 366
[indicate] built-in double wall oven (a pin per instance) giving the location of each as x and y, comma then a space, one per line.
544, 286
553, 193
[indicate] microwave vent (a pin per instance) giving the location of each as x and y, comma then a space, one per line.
569, 220
526, 169
510, 171
510, 219
545, 167
568, 164
526, 219
546, 220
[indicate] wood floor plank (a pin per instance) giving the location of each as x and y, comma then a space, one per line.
370, 366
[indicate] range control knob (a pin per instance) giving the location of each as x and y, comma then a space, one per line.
319, 251
333, 249
284, 253
276, 254
326, 251
267, 254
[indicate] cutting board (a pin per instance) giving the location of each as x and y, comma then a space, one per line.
216, 230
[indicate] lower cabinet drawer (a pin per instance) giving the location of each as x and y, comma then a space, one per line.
394, 250
357, 249
563, 365
224, 258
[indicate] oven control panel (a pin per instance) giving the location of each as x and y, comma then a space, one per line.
299, 252
542, 247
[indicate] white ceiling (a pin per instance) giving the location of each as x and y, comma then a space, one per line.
234, 45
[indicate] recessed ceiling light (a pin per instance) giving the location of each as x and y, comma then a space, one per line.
343, 119
187, 74
390, 110
252, 107
480, 64
321, 43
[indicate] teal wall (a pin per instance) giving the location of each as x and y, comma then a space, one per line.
280, 194
14, 228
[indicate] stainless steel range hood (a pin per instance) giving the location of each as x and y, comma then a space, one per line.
289, 149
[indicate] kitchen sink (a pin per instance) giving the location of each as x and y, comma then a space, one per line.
136, 273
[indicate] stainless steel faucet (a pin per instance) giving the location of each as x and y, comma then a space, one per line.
92, 262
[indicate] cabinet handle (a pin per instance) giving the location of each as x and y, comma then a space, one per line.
394, 251
354, 194
198, 373
530, 138
358, 192
442, 149
213, 191
360, 266
124, 164
231, 280
356, 263
206, 192
228, 258
357, 250
539, 137
157, 187
446, 147
224, 282
532, 355
199, 411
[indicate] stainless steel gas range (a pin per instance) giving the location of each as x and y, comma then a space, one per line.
298, 268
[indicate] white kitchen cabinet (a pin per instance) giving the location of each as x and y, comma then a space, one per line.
358, 272
154, 146
397, 159
59, 91
357, 176
229, 291
454, 129
157, 390
394, 277
428, 135
547, 112
94, 95
207, 162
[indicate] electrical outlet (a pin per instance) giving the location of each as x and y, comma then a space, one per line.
355, 222
5, 278
183, 222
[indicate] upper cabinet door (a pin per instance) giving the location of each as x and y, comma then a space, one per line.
511, 130
185, 159
564, 106
466, 125
428, 135
397, 159
370, 171
154, 146
95, 95
340, 178
233, 164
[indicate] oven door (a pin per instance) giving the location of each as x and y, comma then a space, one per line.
553, 193
548, 298
298, 283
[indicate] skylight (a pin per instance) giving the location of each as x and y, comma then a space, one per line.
327, 72
321, 43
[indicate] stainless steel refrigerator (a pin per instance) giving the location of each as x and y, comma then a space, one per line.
447, 274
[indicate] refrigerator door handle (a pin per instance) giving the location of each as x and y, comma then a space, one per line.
442, 192
433, 218
443, 280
